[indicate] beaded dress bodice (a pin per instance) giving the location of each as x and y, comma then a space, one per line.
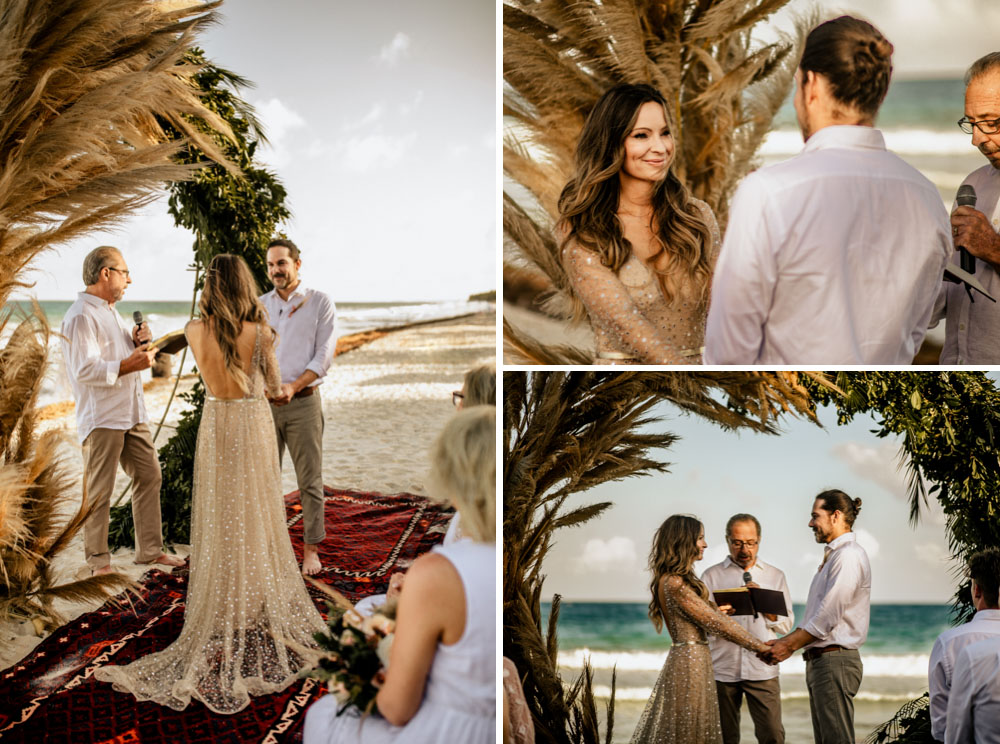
683, 708
631, 319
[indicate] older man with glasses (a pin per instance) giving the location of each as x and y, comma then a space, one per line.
739, 672
103, 358
973, 325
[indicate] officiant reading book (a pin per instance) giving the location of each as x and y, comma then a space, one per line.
761, 604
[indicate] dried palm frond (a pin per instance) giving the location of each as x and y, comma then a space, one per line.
88, 92
567, 432
561, 55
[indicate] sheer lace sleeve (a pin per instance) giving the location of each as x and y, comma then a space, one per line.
679, 593
269, 361
713, 228
612, 309
521, 727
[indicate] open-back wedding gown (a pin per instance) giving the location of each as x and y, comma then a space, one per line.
245, 596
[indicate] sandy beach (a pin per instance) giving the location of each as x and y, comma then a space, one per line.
383, 402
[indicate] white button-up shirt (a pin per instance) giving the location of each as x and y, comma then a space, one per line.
733, 663
984, 624
973, 328
974, 703
834, 256
95, 340
305, 326
837, 611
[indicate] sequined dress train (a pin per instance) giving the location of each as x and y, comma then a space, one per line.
245, 596
683, 707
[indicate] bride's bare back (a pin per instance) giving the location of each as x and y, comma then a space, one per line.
212, 364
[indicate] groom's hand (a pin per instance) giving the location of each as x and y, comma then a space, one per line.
286, 395
780, 650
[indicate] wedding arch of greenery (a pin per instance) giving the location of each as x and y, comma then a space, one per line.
228, 212
567, 432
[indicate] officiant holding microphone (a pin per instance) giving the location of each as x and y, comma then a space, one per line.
973, 321
739, 672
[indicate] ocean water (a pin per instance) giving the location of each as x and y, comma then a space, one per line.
164, 317
619, 636
918, 119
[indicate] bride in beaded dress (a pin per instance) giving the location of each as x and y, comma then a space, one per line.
245, 595
683, 708
638, 249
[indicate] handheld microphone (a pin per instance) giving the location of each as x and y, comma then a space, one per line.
747, 578
137, 317
966, 197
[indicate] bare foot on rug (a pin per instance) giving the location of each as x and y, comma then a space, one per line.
102, 570
310, 560
168, 560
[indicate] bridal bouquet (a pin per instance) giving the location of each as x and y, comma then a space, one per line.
354, 654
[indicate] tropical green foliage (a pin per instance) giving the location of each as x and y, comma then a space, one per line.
565, 433
948, 422
228, 213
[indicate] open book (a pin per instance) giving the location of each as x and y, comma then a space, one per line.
171, 343
748, 600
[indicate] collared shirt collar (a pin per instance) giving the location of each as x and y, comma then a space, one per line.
987, 615
846, 136
300, 291
757, 564
842, 540
93, 300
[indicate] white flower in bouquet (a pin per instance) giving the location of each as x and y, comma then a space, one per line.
383, 648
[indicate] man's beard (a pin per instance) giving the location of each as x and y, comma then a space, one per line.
991, 150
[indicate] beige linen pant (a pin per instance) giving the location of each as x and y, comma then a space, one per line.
103, 450
299, 426
764, 702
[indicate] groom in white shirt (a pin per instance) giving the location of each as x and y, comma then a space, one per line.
835, 625
739, 672
304, 321
836, 255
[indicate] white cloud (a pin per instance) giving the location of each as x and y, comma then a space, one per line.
615, 554
876, 463
932, 554
867, 541
395, 50
407, 108
278, 120
361, 154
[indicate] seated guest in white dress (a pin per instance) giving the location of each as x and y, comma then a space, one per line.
441, 681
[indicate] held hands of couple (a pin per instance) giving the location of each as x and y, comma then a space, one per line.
779, 651
287, 393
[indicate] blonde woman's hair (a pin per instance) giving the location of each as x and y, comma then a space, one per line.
228, 299
464, 467
480, 386
674, 551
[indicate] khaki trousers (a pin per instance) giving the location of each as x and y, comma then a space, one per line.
833, 680
763, 700
299, 426
103, 450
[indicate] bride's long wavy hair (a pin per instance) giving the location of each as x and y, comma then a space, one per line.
588, 204
229, 298
674, 551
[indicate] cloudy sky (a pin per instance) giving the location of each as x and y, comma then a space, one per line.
715, 474
381, 117
932, 38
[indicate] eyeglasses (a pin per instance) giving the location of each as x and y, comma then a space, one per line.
457, 397
120, 271
741, 543
986, 126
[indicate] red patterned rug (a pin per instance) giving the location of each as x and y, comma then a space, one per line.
51, 696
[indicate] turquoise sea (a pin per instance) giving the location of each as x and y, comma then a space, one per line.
619, 635
918, 119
